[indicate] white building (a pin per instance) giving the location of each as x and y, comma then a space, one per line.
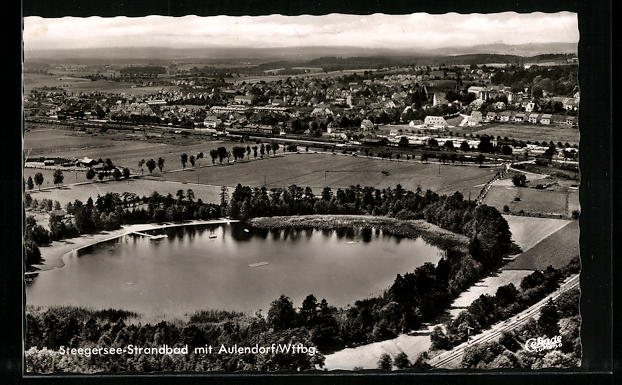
435, 121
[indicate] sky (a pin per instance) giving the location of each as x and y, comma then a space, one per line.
420, 30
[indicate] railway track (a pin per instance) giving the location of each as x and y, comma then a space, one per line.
451, 358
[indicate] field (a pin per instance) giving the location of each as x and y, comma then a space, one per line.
528, 231
532, 132
75, 84
48, 176
533, 201
556, 250
320, 170
121, 149
138, 186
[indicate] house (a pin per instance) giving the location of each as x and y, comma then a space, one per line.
321, 111
491, 116
519, 118
212, 121
367, 125
475, 118
439, 99
439, 74
546, 119
571, 121
332, 127
244, 99
435, 122
500, 106
558, 119
571, 104
86, 162
533, 118
504, 116
529, 107
481, 93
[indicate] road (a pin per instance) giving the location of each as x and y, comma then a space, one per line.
451, 358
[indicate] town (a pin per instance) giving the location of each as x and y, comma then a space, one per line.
392, 211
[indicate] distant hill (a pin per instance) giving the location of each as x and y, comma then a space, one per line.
154, 54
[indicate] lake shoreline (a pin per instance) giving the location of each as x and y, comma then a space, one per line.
397, 227
53, 256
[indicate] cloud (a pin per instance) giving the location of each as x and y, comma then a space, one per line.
377, 30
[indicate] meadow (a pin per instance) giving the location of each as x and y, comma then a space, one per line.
336, 170
556, 250
533, 201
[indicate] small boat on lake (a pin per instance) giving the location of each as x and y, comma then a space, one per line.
258, 264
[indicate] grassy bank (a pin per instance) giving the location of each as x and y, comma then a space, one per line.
402, 228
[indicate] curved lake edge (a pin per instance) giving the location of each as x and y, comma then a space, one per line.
412, 228
54, 255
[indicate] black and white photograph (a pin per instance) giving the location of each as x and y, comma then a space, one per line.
308, 193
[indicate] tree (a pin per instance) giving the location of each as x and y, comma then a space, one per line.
308, 310
184, 159
255, 152
58, 177
485, 145
268, 149
519, 180
548, 323
192, 160
126, 173
190, 195
262, 150
506, 150
222, 154
282, 314
30, 183
248, 152
385, 362
101, 176
449, 144
224, 196
108, 165
140, 164
403, 142
161, 164
401, 361
116, 174
151, 165
480, 159
90, 174
464, 146
439, 339
213, 154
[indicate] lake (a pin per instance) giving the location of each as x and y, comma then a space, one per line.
227, 266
